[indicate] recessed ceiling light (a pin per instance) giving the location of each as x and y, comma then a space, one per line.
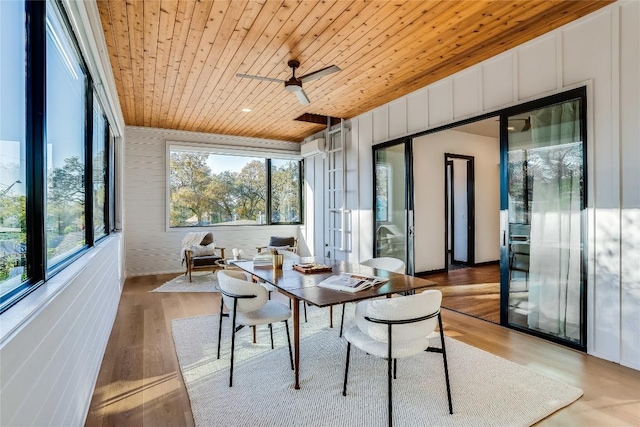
511, 128
246, 110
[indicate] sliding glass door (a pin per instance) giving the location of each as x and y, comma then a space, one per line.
542, 203
393, 212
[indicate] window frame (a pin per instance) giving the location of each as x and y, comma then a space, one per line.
38, 273
219, 149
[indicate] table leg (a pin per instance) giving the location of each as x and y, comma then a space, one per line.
254, 335
296, 340
331, 316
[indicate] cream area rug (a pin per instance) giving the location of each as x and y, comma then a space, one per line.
202, 282
486, 390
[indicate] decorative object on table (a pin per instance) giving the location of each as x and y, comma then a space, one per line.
397, 328
199, 252
238, 254
281, 244
312, 267
263, 260
488, 390
277, 260
350, 282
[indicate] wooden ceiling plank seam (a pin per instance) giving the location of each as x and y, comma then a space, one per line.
318, 25
272, 34
463, 60
253, 34
197, 26
388, 67
377, 66
168, 16
124, 58
261, 22
225, 97
104, 10
214, 33
150, 43
275, 53
179, 38
219, 72
224, 65
382, 57
387, 23
135, 18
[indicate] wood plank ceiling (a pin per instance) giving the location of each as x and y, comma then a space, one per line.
175, 62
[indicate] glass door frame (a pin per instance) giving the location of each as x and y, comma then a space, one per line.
574, 94
408, 198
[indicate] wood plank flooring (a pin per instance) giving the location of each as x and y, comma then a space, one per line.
140, 384
473, 291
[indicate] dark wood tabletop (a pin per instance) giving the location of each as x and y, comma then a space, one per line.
305, 286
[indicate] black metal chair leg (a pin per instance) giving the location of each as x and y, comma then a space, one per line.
446, 368
286, 326
344, 306
305, 312
395, 368
220, 325
271, 333
346, 370
390, 385
233, 341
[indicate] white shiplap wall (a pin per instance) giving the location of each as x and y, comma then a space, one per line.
50, 361
601, 51
150, 247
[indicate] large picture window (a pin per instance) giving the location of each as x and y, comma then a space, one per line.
217, 189
99, 170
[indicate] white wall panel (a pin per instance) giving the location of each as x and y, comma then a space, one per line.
398, 118
466, 93
365, 161
440, 103
381, 123
150, 248
537, 67
497, 81
630, 190
50, 363
600, 50
417, 110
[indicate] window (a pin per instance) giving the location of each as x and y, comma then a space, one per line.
216, 189
66, 85
13, 238
99, 170
55, 187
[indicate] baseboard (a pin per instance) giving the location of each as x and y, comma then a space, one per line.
481, 264
425, 273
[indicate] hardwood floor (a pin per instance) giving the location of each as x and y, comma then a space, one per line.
140, 382
473, 291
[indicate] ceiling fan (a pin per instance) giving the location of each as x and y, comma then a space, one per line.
294, 84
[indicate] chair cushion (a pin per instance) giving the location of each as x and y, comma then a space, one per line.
207, 260
207, 240
271, 312
379, 348
276, 241
199, 250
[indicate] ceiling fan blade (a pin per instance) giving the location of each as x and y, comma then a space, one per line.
266, 79
320, 73
302, 97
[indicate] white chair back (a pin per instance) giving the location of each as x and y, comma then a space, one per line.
386, 263
400, 308
236, 286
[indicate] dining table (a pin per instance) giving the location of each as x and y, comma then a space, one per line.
299, 286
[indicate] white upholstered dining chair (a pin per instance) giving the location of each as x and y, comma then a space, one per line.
397, 328
248, 305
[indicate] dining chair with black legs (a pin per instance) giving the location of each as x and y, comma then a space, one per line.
248, 305
397, 328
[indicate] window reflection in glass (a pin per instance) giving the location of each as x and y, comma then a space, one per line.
12, 147
65, 127
285, 191
99, 170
